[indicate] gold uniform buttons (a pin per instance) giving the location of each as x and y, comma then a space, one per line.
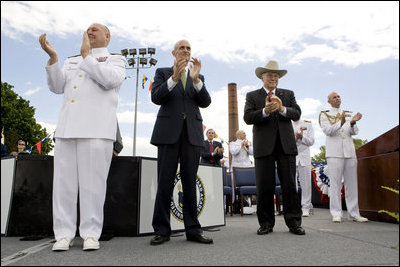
75, 86
80, 75
72, 101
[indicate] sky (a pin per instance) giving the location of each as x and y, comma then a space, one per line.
351, 48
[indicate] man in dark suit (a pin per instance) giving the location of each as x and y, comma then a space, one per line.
178, 134
270, 110
213, 151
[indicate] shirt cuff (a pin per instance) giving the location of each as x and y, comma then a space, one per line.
284, 112
264, 114
171, 84
198, 86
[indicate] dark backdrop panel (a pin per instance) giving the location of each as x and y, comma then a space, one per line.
31, 205
121, 206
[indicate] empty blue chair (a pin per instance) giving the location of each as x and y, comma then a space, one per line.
228, 189
245, 183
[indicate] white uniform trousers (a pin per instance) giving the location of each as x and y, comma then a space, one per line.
346, 168
80, 165
304, 173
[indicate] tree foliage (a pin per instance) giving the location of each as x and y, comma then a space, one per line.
18, 121
320, 157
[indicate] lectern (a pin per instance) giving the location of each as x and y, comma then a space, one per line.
378, 165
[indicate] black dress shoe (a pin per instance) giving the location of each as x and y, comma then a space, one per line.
200, 238
264, 230
158, 240
297, 230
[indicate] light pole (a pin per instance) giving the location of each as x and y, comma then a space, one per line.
140, 60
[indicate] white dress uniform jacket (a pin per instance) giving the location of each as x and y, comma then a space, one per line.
240, 157
90, 87
303, 146
339, 143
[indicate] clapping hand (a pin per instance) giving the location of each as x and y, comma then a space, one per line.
273, 104
179, 66
195, 70
356, 117
85, 48
343, 118
48, 48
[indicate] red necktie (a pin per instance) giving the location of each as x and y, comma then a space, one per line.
270, 95
211, 151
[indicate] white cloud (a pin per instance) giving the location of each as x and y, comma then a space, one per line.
143, 147
309, 107
31, 92
348, 33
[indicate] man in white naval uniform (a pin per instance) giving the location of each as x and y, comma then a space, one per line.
85, 133
241, 149
339, 126
304, 135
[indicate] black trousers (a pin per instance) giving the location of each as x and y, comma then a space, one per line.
265, 181
168, 157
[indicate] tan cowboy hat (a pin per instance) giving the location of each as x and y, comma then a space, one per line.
272, 66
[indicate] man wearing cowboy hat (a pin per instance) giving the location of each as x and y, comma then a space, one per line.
271, 110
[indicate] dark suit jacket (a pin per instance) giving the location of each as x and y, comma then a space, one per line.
175, 106
265, 130
206, 154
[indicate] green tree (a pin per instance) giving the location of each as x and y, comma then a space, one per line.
18, 121
320, 157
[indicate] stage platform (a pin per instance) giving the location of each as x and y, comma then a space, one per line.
236, 244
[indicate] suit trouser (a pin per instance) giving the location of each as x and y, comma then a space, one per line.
265, 181
346, 168
167, 163
80, 165
304, 173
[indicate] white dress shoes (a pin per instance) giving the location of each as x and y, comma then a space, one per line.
358, 219
91, 243
63, 244
306, 213
337, 219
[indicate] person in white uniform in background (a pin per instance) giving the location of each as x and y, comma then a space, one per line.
84, 136
241, 149
339, 126
304, 135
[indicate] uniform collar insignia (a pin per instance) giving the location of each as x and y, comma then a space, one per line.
101, 59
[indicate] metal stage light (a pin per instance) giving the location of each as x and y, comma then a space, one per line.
137, 59
132, 52
151, 51
131, 62
143, 61
142, 51
124, 52
152, 61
